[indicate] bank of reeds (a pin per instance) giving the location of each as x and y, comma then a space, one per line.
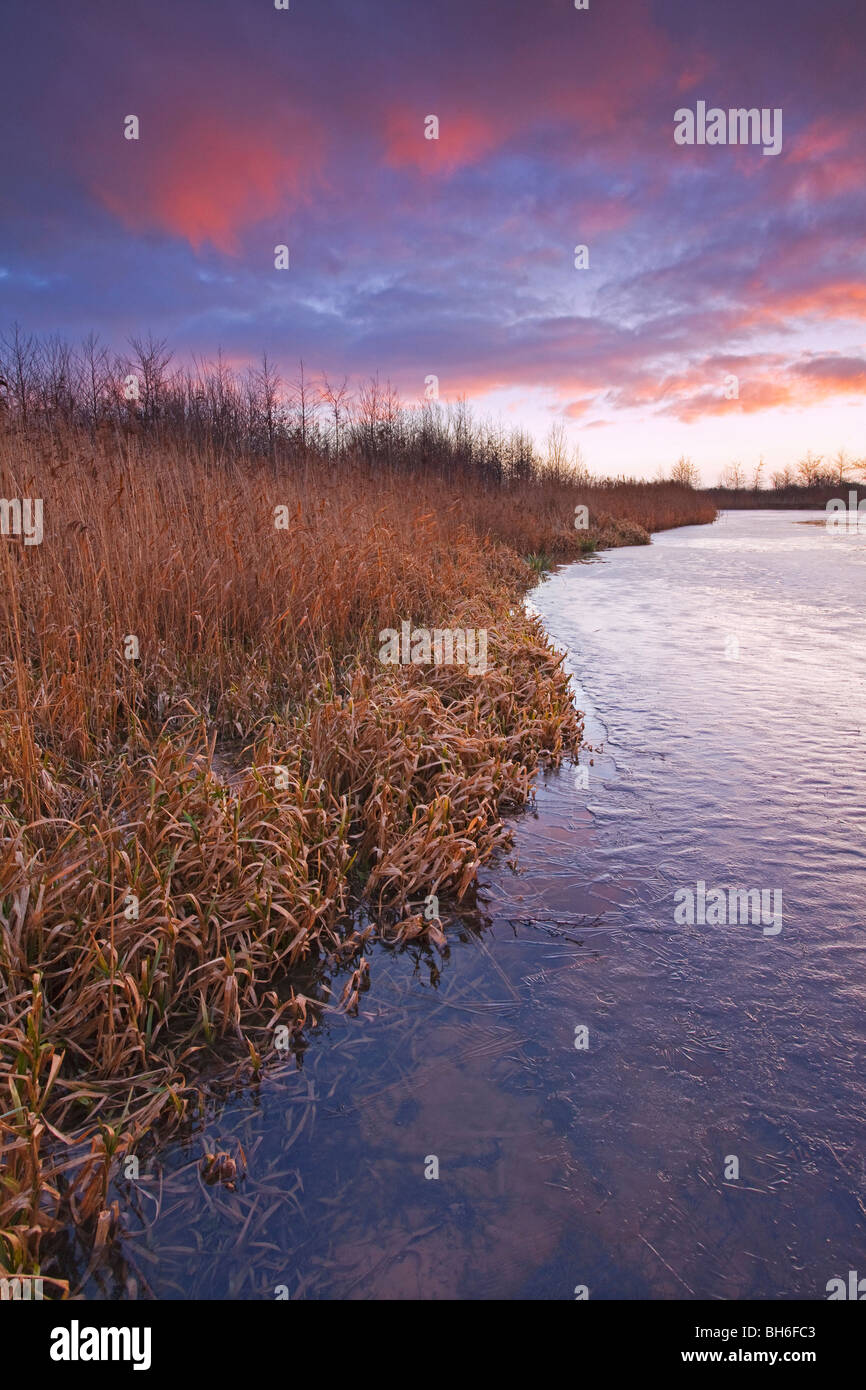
791, 496
187, 816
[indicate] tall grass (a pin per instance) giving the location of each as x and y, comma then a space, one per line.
184, 830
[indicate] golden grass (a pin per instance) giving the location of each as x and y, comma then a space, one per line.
182, 833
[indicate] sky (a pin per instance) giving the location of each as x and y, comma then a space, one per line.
455, 257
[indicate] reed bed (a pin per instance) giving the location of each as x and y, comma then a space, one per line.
188, 818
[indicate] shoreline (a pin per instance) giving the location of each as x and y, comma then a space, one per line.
164, 915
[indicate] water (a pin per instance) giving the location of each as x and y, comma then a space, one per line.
723, 674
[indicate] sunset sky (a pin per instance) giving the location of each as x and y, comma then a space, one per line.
455, 257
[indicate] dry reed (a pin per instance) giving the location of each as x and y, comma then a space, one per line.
185, 831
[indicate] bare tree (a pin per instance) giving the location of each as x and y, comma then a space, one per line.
809, 468
685, 473
369, 415
58, 381
150, 365
580, 470
267, 385
94, 375
304, 404
390, 410
734, 477
338, 399
556, 444
19, 369
841, 465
